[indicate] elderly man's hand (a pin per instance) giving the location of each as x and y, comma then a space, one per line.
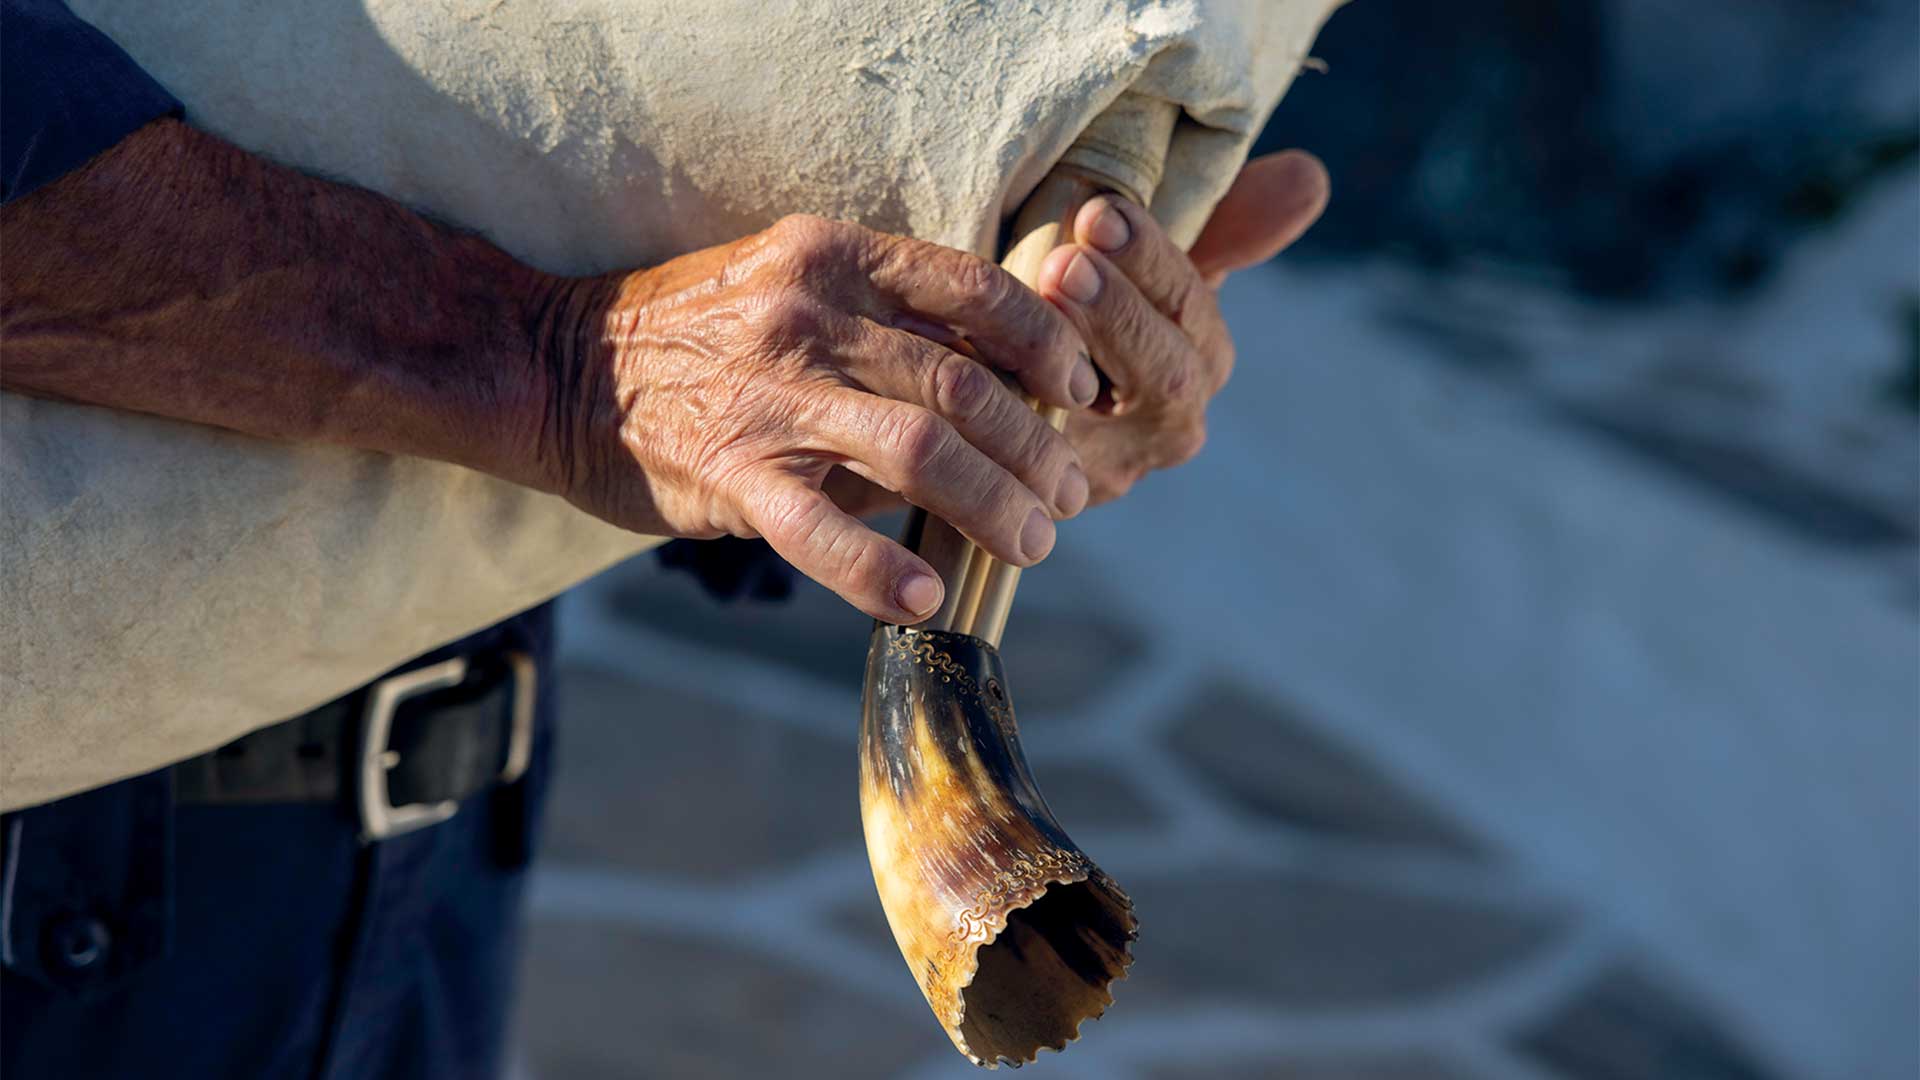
716, 393
779, 385
1150, 314
765, 387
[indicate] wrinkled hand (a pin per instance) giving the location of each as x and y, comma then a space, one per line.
717, 393
1149, 313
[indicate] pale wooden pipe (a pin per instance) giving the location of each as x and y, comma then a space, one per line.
1012, 933
1122, 151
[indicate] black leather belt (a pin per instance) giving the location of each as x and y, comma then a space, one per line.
400, 753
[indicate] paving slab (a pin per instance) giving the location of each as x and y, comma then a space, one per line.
1086, 797
606, 1001
1263, 758
1296, 942
662, 780
1628, 1024
1282, 1069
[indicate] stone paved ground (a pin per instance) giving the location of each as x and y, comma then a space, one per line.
706, 908
1464, 744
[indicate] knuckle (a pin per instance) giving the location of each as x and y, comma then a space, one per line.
810, 244
1187, 442
1043, 450
788, 317
982, 282
1178, 380
1224, 358
962, 389
837, 550
790, 516
1180, 292
1130, 325
865, 566
801, 230
1113, 484
914, 437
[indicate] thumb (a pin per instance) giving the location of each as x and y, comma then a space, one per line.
1273, 200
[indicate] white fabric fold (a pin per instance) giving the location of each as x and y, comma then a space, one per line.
167, 587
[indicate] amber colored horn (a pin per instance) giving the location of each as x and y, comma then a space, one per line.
1012, 932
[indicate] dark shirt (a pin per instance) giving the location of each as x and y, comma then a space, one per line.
67, 93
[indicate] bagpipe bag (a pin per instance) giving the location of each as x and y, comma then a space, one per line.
168, 587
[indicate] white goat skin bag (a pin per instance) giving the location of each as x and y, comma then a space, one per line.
165, 587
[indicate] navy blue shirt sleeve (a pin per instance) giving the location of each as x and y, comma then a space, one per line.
66, 94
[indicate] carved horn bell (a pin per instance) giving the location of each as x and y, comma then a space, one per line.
1013, 934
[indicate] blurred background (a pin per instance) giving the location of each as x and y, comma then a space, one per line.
1524, 683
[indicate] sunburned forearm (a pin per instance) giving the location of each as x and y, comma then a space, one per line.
180, 276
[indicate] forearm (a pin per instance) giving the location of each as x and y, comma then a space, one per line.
180, 276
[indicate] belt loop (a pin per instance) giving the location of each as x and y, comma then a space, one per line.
9, 877
513, 826
512, 804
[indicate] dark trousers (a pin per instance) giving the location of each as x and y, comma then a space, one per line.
147, 939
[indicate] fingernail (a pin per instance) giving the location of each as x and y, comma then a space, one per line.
1085, 383
1110, 231
1036, 538
1081, 282
1072, 496
917, 594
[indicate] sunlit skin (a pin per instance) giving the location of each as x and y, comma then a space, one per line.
1157, 335
775, 386
782, 385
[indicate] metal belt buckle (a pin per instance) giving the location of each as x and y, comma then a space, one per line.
379, 818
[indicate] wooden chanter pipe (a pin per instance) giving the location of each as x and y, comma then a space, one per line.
1013, 934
